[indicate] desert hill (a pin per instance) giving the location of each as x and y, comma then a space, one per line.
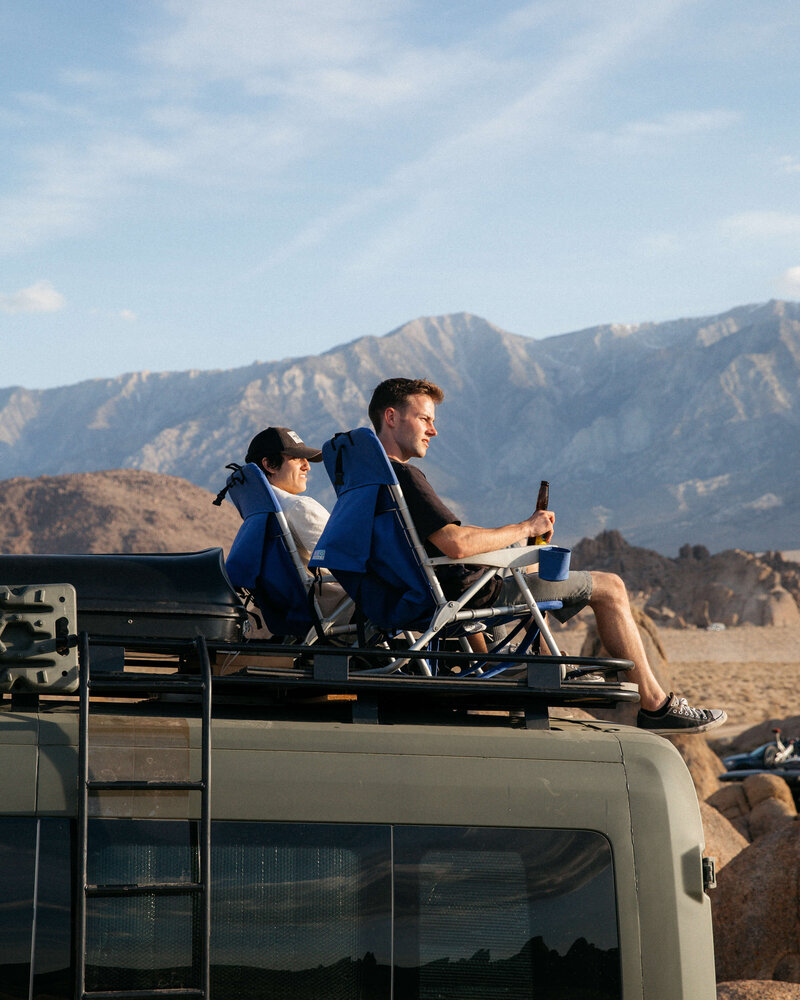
123, 510
674, 432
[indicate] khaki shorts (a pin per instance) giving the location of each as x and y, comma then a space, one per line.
575, 592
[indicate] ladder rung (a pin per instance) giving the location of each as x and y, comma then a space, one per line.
148, 786
136, 683
144, 889
140, 994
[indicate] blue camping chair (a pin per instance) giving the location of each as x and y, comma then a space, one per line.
264, 561
371, 546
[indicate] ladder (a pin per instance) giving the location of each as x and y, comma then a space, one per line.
135, 686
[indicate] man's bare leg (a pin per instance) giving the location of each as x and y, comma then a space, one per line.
620, 635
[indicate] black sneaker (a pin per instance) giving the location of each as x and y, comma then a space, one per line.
678, 716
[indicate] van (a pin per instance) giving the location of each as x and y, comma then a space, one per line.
295, 830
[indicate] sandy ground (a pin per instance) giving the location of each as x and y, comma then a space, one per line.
751, 672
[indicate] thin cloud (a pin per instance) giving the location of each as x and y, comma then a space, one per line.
789, 164
653, 134
241, 39
762, 225
789, 282
40, 297
480, 146
303, 63
332, 58
676, 124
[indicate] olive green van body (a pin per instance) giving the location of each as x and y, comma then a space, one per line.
472, 772
298, 831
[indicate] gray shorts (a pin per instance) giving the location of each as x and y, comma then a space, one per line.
574, 592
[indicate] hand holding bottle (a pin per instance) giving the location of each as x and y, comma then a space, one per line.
542, 504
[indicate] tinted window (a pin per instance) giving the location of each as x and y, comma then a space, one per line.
143, 941
17, 872
53, 949
504, 913
301, 911
322, 911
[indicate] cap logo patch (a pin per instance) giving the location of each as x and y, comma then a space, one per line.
295, 437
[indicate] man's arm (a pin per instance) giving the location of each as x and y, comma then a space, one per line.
458, 541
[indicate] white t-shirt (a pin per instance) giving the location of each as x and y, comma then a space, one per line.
306, 518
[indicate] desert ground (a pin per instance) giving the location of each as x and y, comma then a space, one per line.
751, 672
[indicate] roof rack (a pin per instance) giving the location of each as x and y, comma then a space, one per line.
39, 655
288, 677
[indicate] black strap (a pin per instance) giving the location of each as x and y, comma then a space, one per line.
234, 479
338, 479
248, 599
317, 584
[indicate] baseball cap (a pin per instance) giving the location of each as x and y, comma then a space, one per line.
280, 439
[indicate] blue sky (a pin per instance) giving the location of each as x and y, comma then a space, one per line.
202, 184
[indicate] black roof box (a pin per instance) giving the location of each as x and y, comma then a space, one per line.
172, 595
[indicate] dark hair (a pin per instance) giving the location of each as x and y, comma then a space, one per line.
273, 459
396, 392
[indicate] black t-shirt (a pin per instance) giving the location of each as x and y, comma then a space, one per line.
429, 513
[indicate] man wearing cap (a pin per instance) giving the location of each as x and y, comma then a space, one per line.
285, 459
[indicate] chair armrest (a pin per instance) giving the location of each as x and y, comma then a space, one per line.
521, 555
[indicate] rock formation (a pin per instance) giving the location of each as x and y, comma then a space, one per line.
698, 588
756, 735
755, 909
723, 840
704, 765
757, 990
755, 806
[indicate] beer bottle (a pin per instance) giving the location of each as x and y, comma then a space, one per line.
542, 503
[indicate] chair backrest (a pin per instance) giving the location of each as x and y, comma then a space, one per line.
369, 544
263, 558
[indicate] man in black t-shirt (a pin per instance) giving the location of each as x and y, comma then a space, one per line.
430, 514
403, 412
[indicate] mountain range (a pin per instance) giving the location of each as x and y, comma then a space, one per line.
671, 433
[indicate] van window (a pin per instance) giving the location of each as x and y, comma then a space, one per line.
35, 908
17, 875
323, 911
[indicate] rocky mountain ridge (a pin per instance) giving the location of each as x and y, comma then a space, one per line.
676, 432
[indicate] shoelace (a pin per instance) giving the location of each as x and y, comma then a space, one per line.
684, 708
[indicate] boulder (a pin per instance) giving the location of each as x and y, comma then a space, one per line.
755, 806
757, 989
731, 802
756, 910
723, 840
768, 786
704, 765
768, 815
